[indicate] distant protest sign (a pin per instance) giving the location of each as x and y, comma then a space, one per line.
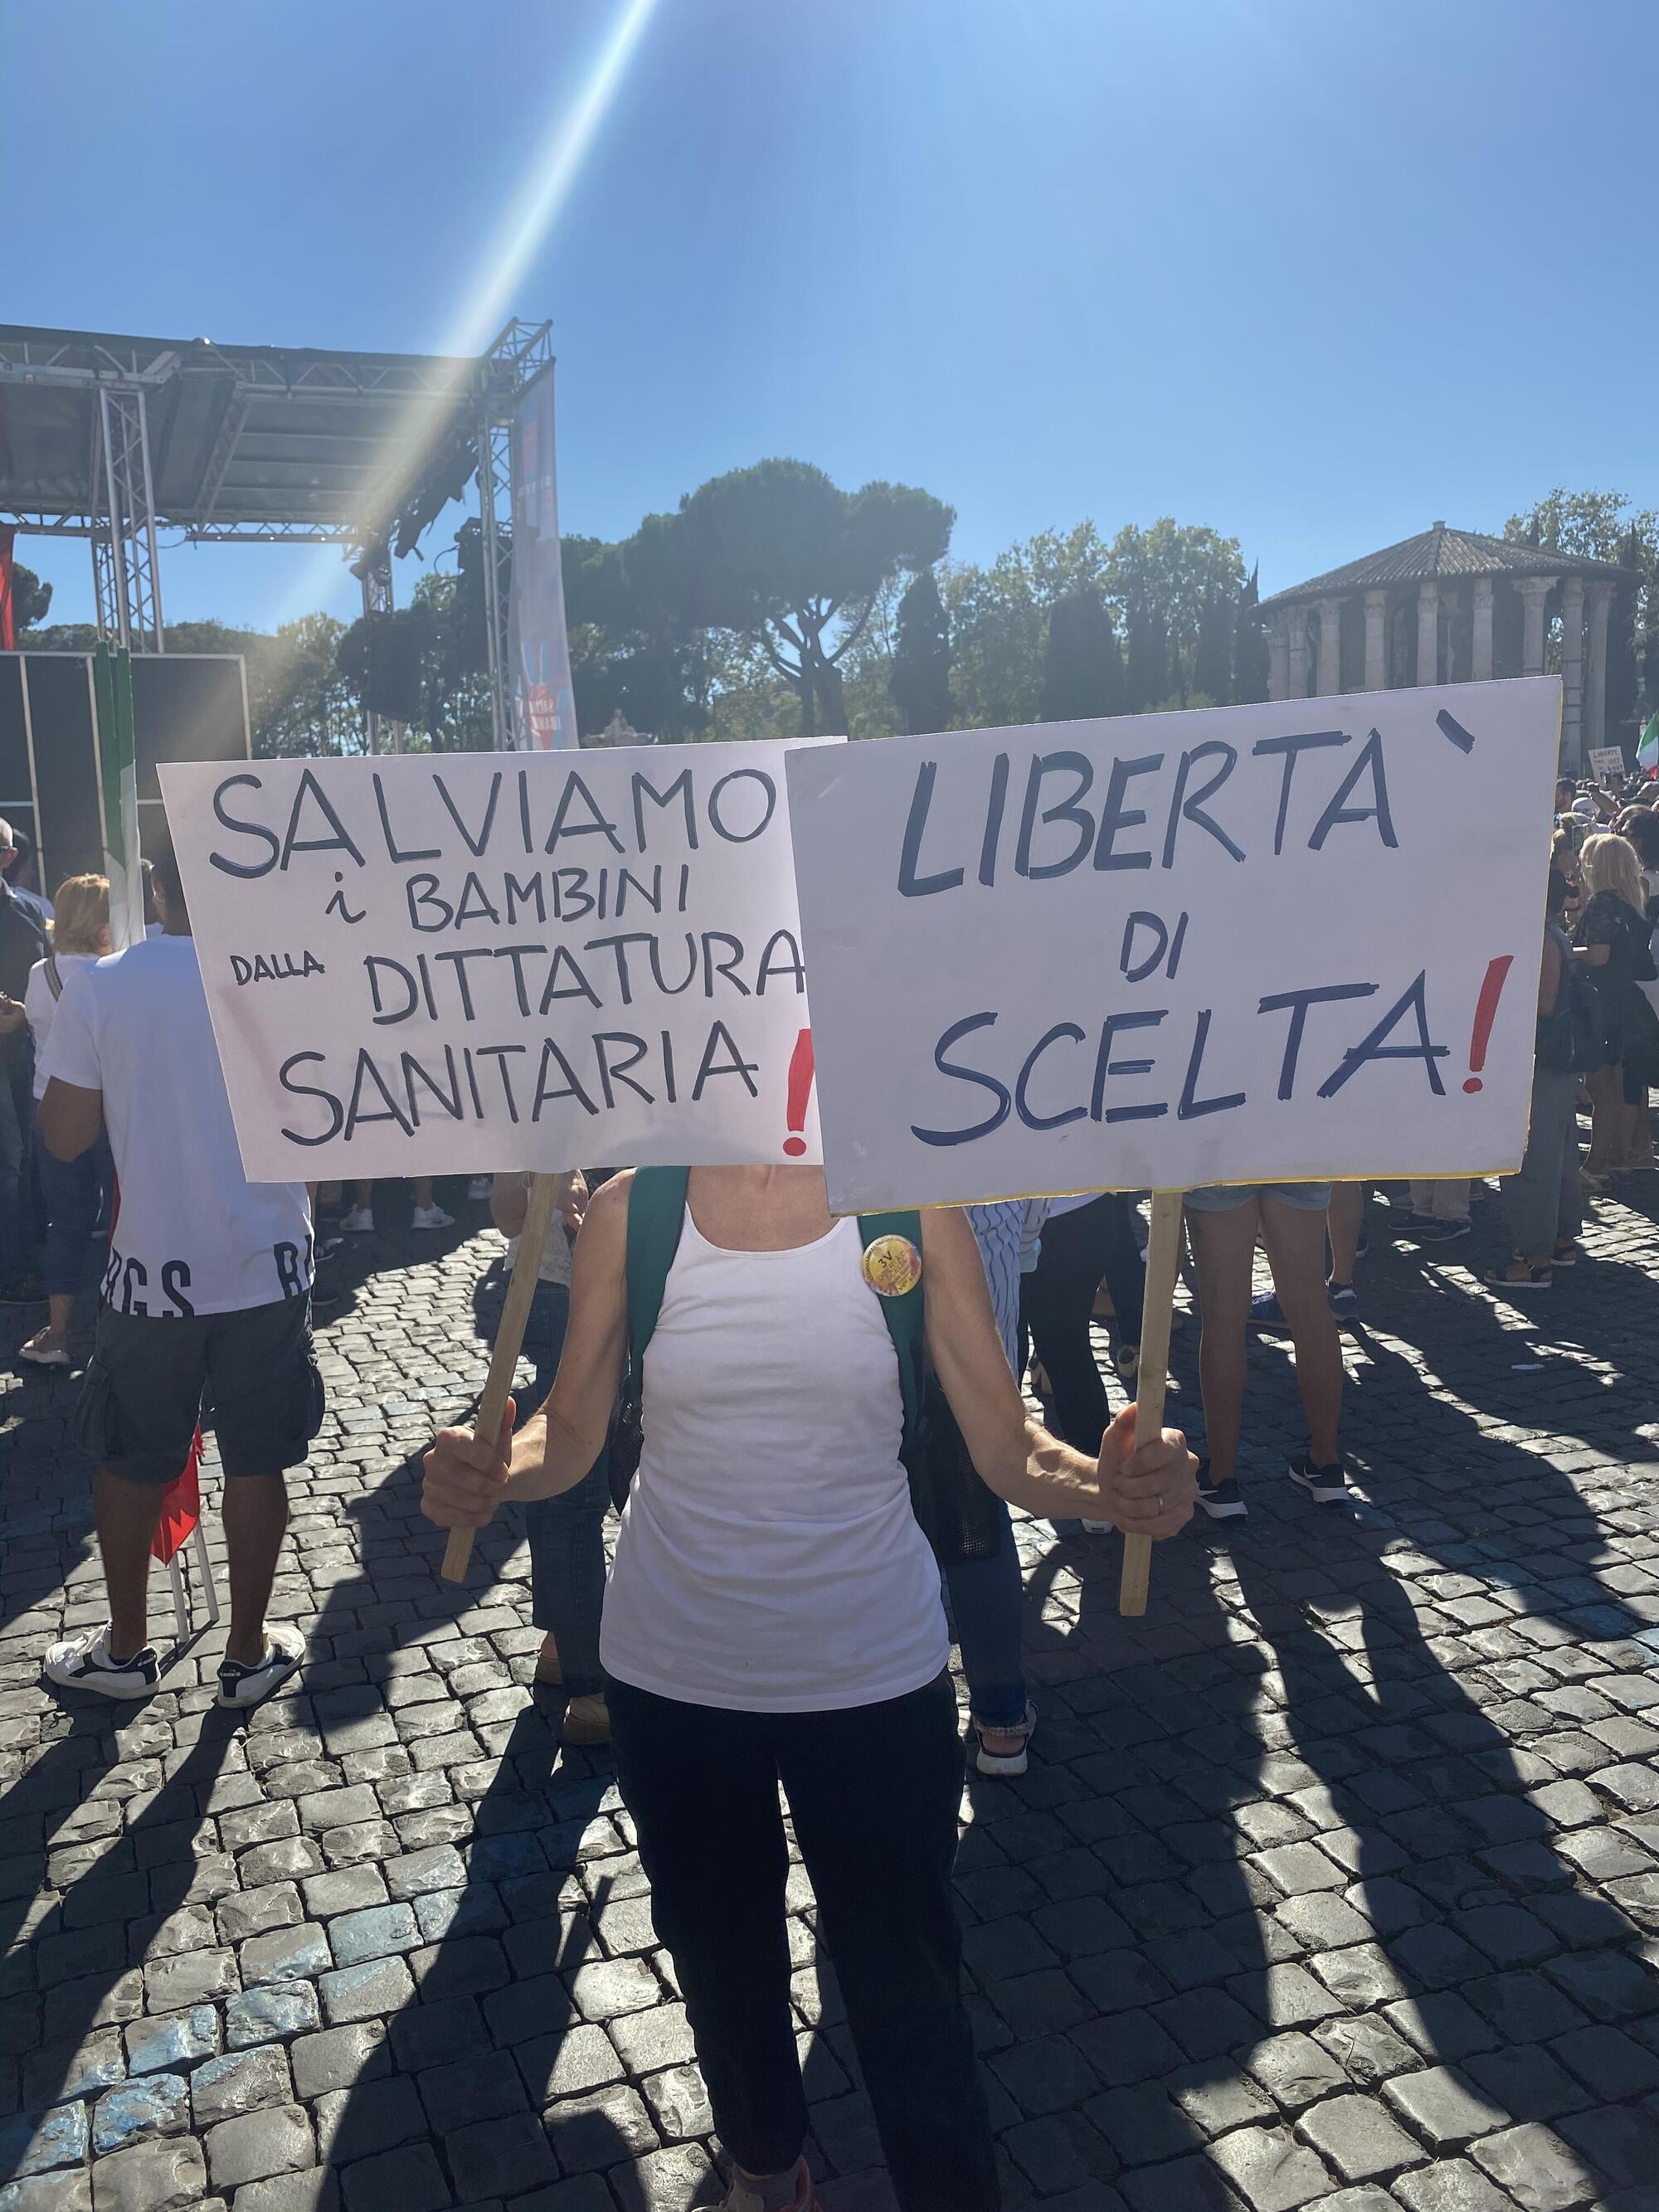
472, 962
1252, 944
1606, 760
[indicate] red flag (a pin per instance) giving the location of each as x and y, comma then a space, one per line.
8, 608
181, 1507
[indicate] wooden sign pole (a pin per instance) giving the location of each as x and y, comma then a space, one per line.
510, 1338
1163, 1261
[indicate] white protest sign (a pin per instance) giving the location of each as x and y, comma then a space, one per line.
1606, 760
1250, 943
463, 962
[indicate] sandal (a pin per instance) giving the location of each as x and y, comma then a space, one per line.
1566, 1254
1519, 1274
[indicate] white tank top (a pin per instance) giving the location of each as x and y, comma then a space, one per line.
768, 1559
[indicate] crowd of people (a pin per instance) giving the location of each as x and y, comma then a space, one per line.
814, 1430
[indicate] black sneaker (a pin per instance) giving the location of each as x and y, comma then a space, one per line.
27, 1290
1222, 1501
1439, 1232
1328, 1485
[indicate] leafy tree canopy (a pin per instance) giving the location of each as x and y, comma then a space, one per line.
30, 598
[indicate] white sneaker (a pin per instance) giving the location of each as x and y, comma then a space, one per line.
83, 1662
1008, 1763
431, 1217
481, 1188
358, 1221
245, 1686
50, 1356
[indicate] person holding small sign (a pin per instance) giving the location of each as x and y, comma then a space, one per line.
774, 1617
567, 1533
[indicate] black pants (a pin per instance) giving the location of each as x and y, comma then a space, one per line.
1058, 1297
874, 1793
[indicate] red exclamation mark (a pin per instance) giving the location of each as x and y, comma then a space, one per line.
800, 1088
1485, 1012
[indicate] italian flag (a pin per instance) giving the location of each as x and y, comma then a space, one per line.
1647, 752
112, 688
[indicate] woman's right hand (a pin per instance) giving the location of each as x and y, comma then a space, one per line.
465, 1480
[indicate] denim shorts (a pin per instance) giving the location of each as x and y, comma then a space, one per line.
1226, 1197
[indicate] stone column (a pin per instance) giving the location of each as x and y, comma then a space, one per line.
1480, 666
1428, 630
1572, 671
1297, 658
1599, 600
1329, 679
1377, 641
1535, 592
1279, 657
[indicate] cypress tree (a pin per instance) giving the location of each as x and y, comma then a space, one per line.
1212, 660
1082, 670
920, 678
1250, 657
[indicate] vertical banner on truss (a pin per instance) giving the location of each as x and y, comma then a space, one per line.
543, 704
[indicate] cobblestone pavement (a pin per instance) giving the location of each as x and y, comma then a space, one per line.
1334, 1882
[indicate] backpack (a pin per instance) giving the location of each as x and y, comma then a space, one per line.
1573, 1039
961, 1518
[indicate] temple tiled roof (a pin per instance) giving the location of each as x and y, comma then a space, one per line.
1439, 551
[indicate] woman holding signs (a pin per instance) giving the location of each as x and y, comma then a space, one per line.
773, 1616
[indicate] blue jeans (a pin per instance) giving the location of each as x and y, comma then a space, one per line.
987, 1602
18, 1233
73, 1190
567, 1533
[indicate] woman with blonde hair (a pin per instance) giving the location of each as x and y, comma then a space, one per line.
1611, 942
72, 1189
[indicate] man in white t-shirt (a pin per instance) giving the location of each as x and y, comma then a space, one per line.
207, 1289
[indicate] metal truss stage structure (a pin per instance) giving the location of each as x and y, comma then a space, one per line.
117, 439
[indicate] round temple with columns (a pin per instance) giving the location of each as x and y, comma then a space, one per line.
1450, 607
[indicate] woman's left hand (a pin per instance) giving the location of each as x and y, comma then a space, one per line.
1149, 1492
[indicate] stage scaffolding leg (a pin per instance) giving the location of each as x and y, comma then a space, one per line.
376, 572
494, 492
125, 568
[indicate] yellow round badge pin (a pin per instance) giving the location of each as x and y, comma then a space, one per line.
892, 1265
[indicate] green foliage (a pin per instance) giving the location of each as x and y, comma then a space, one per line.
1591, 524
632, 649
30, 599
920, 678
998, 621
300, 704
1083, 673
1163, 579
1601, 526
781, 557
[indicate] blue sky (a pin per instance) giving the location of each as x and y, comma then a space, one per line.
1314, 273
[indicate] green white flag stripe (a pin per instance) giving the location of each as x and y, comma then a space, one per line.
1647, 753
113, 691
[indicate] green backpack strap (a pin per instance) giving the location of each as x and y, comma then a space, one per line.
904, 1316
656, 1213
